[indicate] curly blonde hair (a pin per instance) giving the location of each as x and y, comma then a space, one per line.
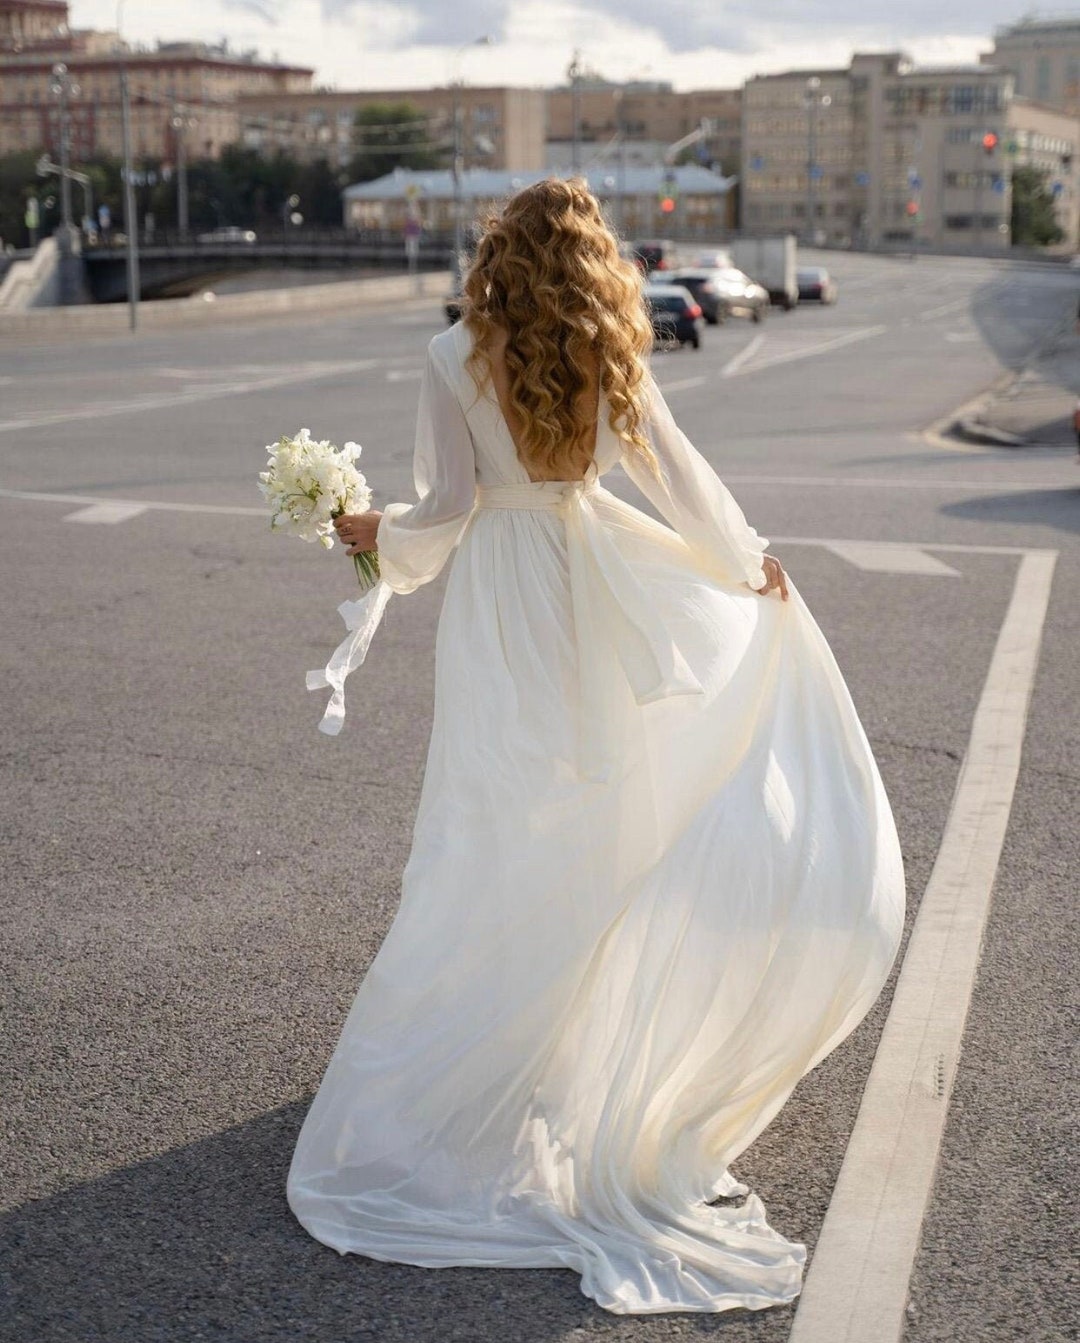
548, 272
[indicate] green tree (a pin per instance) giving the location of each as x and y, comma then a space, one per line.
1033, 222
392, 135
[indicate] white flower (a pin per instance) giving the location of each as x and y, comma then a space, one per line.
309, 483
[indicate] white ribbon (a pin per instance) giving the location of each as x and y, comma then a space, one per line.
361, 619
616, 624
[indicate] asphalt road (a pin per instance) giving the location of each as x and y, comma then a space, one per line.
195, 878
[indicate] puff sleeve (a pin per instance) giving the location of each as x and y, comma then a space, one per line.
414, 541
693, 499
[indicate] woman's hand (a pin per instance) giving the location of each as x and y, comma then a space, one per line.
358, 531
775, 577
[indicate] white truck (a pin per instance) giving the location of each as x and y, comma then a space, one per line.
772, 263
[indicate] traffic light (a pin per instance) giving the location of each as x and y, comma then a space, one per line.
667, 205
912, 208
989, 142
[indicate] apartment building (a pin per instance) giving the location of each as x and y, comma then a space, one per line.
199, 80
1044, 57
639, 120
889, 152
500, 128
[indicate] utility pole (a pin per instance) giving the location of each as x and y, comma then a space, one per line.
456, 84
181, 121
574, 73
131, 220
812, 100
62, 87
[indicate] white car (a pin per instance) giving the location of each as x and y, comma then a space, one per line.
231, 233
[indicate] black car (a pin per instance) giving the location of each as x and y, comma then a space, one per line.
702, 285
816, 284
654, 254
676, 316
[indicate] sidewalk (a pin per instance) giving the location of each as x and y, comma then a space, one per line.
1034, 407
87, 321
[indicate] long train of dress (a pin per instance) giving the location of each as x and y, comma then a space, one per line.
654, 880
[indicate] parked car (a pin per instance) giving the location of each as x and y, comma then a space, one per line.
716, 258
676, 316
741, 296
815, 284
702, 284
230, 233
655, 254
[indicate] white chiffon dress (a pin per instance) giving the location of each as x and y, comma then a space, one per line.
654, 880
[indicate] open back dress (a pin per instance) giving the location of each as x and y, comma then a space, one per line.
654, 880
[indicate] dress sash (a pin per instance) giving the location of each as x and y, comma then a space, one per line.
616, 626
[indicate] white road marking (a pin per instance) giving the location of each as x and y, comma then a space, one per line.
890, 559
403, 374
958, 336
897, 482
747, 352
944, 308
230, 510
682, 385
857, 1285
809, 351
280, 377
108, 510
955, 547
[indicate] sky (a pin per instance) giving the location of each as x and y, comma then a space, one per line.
387, 44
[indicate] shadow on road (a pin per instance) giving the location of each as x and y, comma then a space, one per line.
1057, 508
199, 1243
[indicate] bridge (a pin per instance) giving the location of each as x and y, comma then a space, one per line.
173, 265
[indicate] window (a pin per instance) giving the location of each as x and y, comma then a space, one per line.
1042, 77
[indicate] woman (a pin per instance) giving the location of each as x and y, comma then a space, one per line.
654, 876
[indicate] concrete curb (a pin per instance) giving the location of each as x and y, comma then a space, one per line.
201, 310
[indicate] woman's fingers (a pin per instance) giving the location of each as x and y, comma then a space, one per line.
774, 577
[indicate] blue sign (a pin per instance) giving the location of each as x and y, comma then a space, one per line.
1057, 188
999, 184
817, 171
757, 163
862, 179
914, 181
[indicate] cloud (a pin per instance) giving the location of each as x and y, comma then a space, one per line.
683, 26
270, 11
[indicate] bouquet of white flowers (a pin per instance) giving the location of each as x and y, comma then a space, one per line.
308, 484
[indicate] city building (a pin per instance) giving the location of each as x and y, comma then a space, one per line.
1044, 57
195, 84
500, 128
886, 152
639, 120
634, 201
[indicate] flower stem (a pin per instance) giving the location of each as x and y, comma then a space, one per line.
367, 568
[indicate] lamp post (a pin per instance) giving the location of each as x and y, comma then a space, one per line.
812, 100
458, 161
574, 72
181, 121
62, 87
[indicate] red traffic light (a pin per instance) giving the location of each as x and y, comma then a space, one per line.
989, 142
667, 205
912, 207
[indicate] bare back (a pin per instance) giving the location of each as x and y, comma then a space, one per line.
587, 399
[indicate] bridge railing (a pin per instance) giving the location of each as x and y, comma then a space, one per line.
292, 238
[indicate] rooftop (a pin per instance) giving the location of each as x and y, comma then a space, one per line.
492, 184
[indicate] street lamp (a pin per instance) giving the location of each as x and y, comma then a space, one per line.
458, 162
181, 121
812, 100
62, 86
288, 214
